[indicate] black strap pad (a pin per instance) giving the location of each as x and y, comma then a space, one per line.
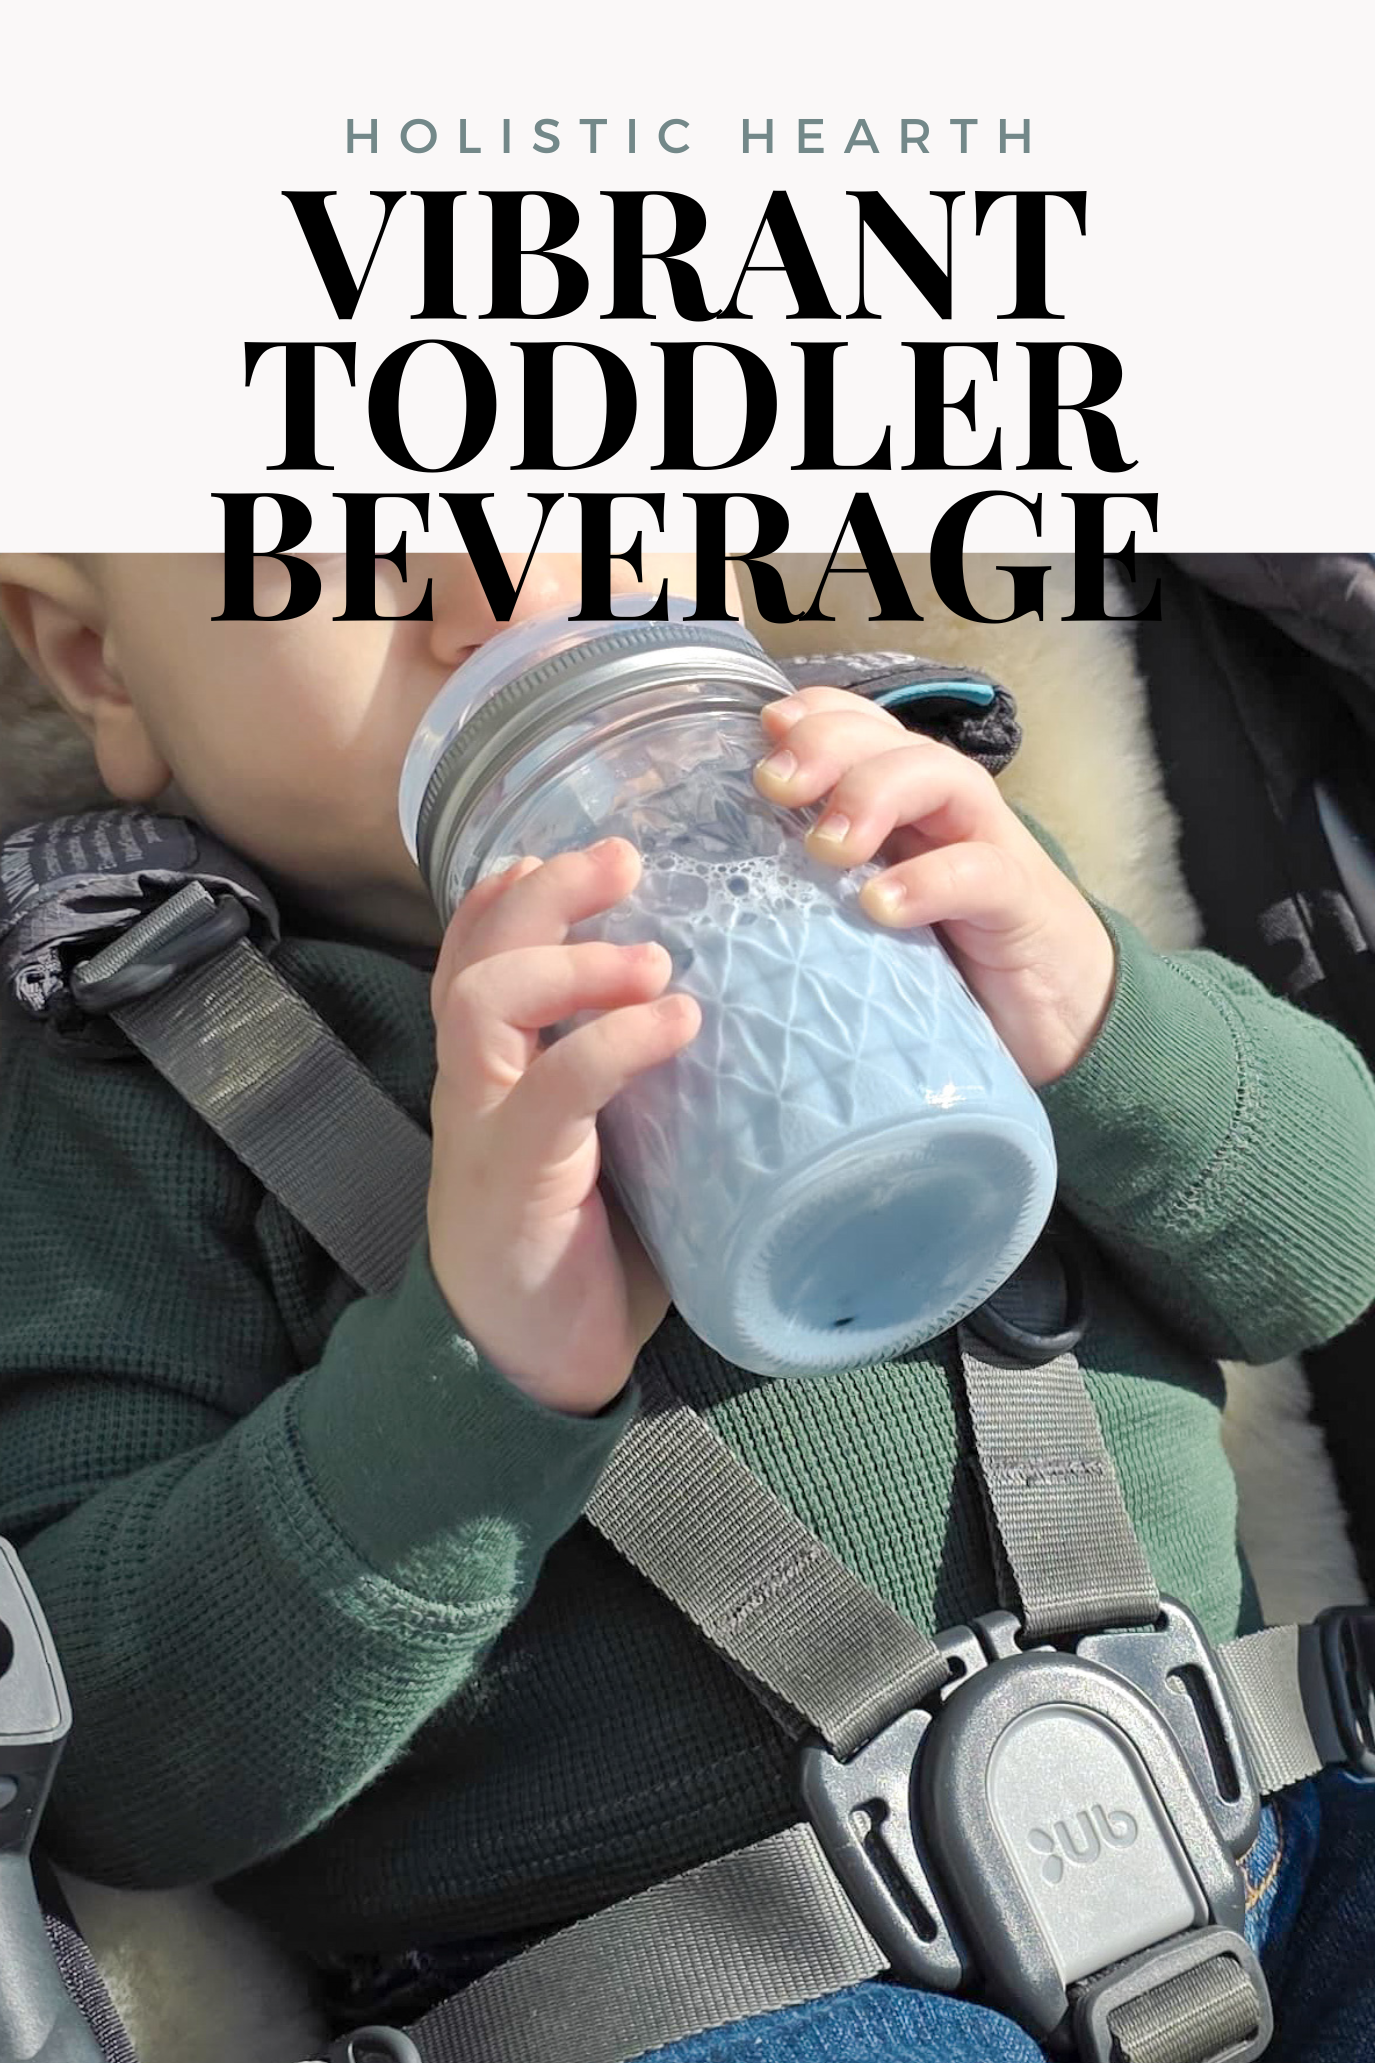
72, 884
957, 705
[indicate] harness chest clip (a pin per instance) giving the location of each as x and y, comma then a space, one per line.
1042, 1835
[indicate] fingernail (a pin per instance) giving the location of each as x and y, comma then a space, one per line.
833, 829
887, 896
603, 845
779, 766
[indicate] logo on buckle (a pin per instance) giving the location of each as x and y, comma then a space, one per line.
1118, 1829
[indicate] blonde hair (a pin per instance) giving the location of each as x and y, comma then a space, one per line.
46, 761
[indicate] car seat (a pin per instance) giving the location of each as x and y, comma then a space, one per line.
1261, 686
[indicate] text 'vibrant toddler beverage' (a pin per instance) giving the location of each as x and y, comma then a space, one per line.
846, 1160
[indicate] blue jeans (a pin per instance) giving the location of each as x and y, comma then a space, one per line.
1310, 1917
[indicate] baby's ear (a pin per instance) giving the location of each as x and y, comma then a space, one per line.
54, 611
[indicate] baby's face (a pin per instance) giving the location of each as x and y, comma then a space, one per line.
287, 739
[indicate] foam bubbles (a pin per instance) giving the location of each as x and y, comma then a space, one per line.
727, 891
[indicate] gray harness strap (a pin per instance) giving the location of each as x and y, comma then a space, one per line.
1061, 1532
251, 1056
766, 1927
770, 1925
1277, 1682
1067, 1554
757, 1931
761, 1588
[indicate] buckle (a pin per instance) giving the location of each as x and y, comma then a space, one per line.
1054, 1829
866, 1817
184, 932
34, 1711
1173, 1663
1223, 1978
1347, 1637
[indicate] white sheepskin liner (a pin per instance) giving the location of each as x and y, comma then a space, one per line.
198, 1985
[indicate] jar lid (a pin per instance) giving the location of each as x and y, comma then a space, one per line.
578, 679
503, 658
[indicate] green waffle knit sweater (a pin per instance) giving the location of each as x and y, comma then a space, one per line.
336, 1636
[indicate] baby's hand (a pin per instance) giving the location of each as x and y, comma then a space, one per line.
1032, 949
544, 1276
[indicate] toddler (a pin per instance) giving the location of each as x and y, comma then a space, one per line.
336, 1636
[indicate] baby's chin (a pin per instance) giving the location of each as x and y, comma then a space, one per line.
372, 890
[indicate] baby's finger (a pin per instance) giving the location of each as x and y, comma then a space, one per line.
970, 882
921, 785
780, 716
820, 749
460, 925
547, 1116
808, 762
493, 1009
540, 909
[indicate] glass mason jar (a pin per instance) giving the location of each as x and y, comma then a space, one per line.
846, 1160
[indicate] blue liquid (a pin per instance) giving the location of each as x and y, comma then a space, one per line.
846, 1160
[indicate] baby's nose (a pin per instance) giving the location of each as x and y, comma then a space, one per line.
471, 601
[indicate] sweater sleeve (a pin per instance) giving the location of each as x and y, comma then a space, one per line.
1220, 1145
261, 1579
